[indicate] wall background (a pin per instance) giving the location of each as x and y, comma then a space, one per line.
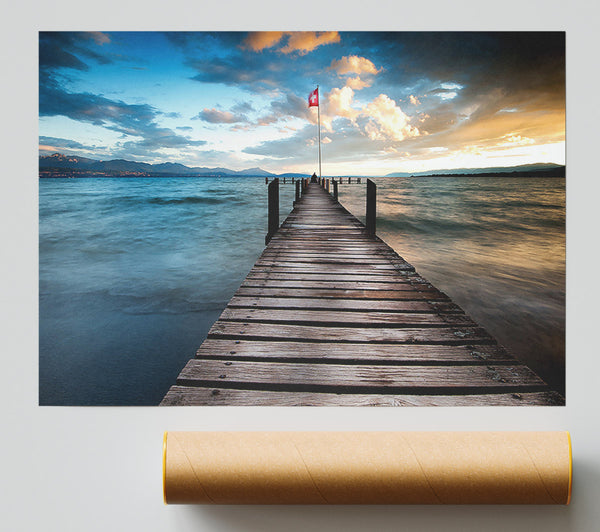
100, 468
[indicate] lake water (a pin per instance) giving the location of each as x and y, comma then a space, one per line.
134, 271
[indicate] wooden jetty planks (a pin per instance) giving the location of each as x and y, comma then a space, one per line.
330, 315
341, 303
185, 396
350, 378
353, 353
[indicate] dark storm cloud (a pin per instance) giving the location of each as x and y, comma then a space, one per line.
69, 49
528, 68
255, 72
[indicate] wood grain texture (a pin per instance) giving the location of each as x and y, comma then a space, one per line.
350, 378
186, 396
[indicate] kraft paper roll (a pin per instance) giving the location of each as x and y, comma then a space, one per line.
367, 467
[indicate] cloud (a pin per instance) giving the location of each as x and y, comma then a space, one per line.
63, 143
339, 103
254, 72
306, 41
352, 133
414, 100
353, 64
61, 52
131, 120
297, 41
99, 37
68, 146
378, 120
357, 83
257, 41
386, 120
70, 49
214, 116
242, 107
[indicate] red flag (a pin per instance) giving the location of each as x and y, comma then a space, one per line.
313, 98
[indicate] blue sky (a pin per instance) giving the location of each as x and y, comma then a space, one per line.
389, 101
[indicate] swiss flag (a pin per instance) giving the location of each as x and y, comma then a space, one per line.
313, 98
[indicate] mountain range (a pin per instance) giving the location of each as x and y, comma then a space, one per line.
536, 168
60, 165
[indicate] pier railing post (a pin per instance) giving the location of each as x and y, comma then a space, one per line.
273, 209
297, 192
371, 207
335, 190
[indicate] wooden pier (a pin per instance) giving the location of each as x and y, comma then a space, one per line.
331, 315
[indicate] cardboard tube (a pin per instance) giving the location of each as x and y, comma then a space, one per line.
367, 467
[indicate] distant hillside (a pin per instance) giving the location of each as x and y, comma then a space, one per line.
59, 165
524, 170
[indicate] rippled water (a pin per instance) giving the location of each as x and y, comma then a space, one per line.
133, 272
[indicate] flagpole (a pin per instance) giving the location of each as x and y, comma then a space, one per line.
319, 119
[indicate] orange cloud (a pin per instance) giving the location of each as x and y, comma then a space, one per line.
357, 83
353, 65
306, 41
298, 41
46, 147
414, 100
259, 40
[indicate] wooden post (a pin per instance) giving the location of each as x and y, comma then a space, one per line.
273, 209
266, 180
297, 191
335, 190
371, 207
327, 185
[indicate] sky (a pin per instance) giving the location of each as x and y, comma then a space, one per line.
389, 102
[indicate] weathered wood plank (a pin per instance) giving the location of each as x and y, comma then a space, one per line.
353, 353
333, 285
343, 318
374, 264
344, 304
332, 268
259, 331
341, 293
369, 258
184, 396
285, 376
323, 276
